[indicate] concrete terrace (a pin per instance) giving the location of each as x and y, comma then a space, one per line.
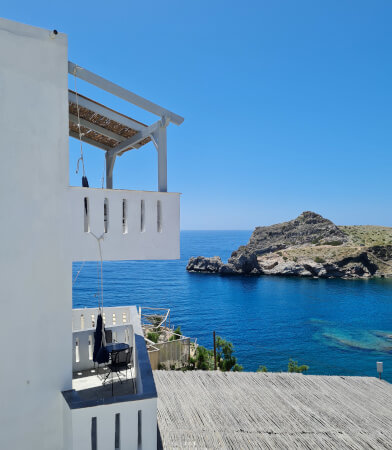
272, 411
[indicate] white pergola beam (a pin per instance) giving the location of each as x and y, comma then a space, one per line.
119, 91
106, 112
89, 141
94, 127
134, 140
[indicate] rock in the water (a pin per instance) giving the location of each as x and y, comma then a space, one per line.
203, 264
308, 246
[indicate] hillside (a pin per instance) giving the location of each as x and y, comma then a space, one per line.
311, 246
368, 235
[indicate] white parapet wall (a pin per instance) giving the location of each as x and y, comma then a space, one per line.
135, 425
83, 344
135, 225
86, 318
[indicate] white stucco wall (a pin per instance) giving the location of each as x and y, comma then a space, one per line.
42, 232
149, 241
35, 269
105, 414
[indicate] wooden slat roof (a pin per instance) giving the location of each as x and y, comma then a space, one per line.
118, 131
248, 410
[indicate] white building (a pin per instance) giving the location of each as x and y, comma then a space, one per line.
45, 226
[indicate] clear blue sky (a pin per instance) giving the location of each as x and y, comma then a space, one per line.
287, 104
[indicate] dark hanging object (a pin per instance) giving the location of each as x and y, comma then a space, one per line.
100, 354
85, 184
97, 337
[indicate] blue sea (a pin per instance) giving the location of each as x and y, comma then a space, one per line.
339, 327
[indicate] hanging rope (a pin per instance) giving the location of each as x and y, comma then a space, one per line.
81, 159
99, 239
77, 275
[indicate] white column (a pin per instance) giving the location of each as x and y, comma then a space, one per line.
110, 160
162, 156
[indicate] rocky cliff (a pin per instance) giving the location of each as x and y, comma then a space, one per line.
310, 246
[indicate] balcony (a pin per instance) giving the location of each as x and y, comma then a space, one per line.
118, 415
132, 225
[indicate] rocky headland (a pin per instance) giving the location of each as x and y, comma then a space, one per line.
308, 246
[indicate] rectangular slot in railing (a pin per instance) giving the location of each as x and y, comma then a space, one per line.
124, 216
86, 215
106, 215
77, 353
159, 216
94, 445
142, 216
139, 428
117, 432
90, 347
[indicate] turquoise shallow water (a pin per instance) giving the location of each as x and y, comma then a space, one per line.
337, 327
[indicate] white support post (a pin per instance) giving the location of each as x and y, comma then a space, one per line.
161, 136
110, 160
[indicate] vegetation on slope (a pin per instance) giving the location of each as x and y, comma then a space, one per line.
368, 235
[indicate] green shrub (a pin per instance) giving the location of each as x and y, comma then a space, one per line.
224, 354
293, 367
262, 369
284, 258
295, 259
204, 358
335, 243
319, 260
152, 336
175, 336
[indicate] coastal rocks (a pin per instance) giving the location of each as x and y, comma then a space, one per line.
308, 246
245, 263
357, 267
383, 252
203, 264
214, 265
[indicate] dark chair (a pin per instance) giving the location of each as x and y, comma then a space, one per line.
121, 361
108, 336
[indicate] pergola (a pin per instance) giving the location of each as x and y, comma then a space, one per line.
114, 132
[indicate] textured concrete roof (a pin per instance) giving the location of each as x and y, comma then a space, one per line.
272, 411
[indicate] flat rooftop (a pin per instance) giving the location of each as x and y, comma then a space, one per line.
249, 410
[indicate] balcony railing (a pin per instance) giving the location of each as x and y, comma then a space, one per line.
95, 415
85, 318
83, 345
136, 225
